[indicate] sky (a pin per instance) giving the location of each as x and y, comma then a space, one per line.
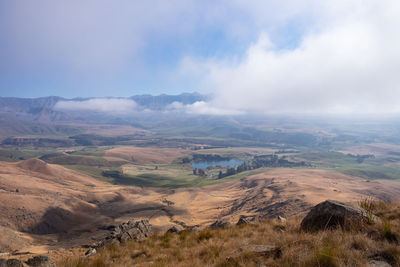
331, 56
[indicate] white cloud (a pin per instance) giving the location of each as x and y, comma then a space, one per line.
109, 105
202, 108
348, 62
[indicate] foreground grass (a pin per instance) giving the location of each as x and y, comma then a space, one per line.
227, 247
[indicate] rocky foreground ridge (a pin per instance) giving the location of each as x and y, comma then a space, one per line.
327, 229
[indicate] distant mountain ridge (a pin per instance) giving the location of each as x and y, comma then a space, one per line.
35, 106
38, 116
161, 101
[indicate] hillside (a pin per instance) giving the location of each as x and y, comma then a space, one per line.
48, 207
276, 242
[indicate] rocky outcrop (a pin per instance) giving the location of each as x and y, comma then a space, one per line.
243, 220
40, 261
332, 214
37, 261
130, 231
175, 230
11, 263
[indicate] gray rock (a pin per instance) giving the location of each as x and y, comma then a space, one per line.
282, 220
130, 231
40, 261
174, 230
90, 252
378, 263
332, 214
243, 220
220, 224
108, 241
14, 263
193, 228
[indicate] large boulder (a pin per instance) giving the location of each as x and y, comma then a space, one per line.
130, 231
332, 214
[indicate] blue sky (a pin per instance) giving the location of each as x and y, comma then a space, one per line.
290, 56
46, 46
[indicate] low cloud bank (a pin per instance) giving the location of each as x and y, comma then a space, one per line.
348, 63
118, 106
109, 105
202, 108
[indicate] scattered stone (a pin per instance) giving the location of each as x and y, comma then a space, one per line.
90, 252
378, 263
220, 224
132, 230
174, 230
332, 214
243, 220
108, 241
193, 228
3, 262
282, 220
40, 261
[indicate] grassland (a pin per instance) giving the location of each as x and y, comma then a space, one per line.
12, 155
172, 176
162, 167
92, 171
149, 167
383, 166
290, 246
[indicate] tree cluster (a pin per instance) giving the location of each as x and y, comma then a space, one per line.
262, 161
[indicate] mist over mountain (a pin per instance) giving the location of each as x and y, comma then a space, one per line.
38, 107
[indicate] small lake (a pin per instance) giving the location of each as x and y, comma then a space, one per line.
222, 163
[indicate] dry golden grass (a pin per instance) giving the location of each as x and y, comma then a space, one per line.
222, 247
42, 186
